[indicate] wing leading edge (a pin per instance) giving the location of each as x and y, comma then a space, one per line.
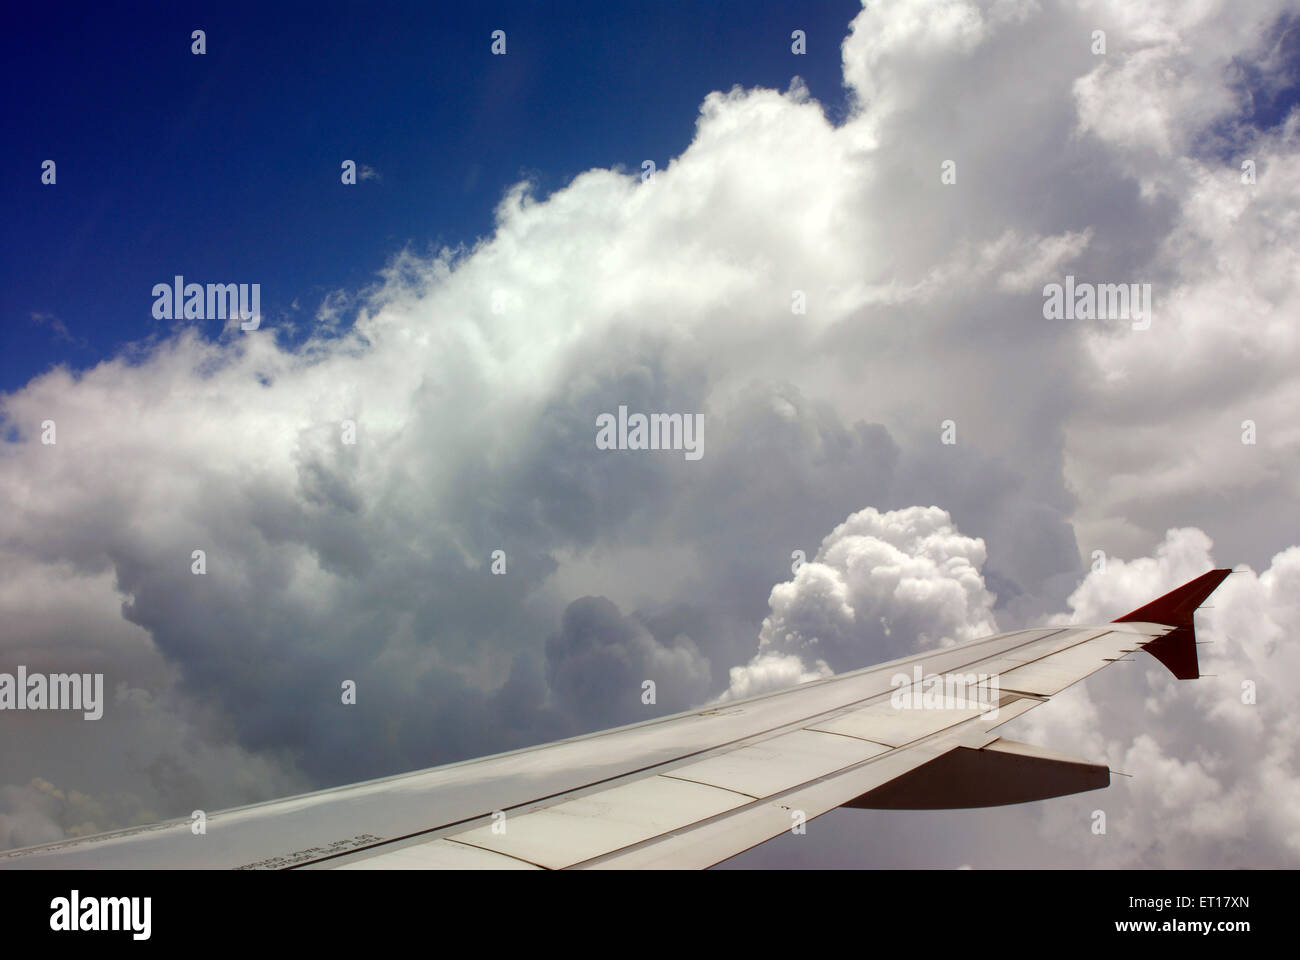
694, 789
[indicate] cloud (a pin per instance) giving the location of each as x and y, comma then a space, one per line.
882, 585
599, 661
767, 672
59, 329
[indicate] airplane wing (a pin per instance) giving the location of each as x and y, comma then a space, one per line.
693, 789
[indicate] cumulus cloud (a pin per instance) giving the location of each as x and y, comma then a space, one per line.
470, 381
881, 585
772, 671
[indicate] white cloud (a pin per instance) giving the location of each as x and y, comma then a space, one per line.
878, 580
771, 671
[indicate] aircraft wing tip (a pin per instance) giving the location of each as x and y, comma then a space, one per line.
1177, 609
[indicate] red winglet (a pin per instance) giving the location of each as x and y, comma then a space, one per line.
1177, 649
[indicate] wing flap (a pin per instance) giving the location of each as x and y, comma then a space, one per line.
769, 767
438, 855
585, 827
1053, 673
882, 723
704, 844
1003, 772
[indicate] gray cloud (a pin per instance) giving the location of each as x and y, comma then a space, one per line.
599, 661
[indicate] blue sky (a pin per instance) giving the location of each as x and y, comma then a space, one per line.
226, 167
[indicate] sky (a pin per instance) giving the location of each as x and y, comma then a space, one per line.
841, 267
224, 165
